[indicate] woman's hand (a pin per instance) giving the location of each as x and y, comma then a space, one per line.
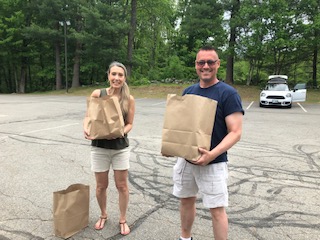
86, 135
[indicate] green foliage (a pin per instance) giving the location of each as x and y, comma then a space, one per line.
272, 37
174, 69
140, 81
201, 23
241, 70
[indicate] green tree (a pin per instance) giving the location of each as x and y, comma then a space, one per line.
15, 16
46, 32
199, 23
308, 14
152, 37
233, 7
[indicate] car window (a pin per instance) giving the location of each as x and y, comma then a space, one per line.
277, 87
300, 86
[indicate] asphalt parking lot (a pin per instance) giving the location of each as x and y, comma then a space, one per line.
273, 172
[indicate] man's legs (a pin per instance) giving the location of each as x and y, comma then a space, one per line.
187, 215
185, 188
220, 223
215, 196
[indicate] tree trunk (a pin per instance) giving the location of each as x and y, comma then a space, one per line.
58, 66
314, 68
22, 83
251, 68
232, 42
16, 80
229, 72
133, 24
154, 44
315, 60
76, 66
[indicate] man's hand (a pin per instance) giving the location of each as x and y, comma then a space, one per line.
205, 157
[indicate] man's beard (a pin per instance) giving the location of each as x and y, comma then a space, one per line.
207, 80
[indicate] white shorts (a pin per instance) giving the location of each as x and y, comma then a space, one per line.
210, 181
102, 159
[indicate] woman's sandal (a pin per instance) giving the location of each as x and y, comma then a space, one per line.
101, 222
123, 228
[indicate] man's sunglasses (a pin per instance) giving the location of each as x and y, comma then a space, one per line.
210, 63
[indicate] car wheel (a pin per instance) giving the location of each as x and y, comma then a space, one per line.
260, 105
289, 106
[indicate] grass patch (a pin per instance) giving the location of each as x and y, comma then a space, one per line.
247, 93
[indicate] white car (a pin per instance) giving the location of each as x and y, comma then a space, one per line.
277, 92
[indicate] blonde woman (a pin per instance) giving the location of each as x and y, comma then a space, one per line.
113, 153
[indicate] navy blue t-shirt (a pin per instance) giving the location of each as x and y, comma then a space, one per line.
229, 102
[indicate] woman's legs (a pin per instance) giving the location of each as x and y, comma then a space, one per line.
121, 180
101, 195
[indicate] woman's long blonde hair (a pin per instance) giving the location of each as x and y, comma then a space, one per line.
124, 92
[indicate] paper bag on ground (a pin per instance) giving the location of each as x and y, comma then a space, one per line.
188, 124
104, 118
70, 210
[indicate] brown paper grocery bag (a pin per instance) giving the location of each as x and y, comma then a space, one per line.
188, 124
104, 118
70, 210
